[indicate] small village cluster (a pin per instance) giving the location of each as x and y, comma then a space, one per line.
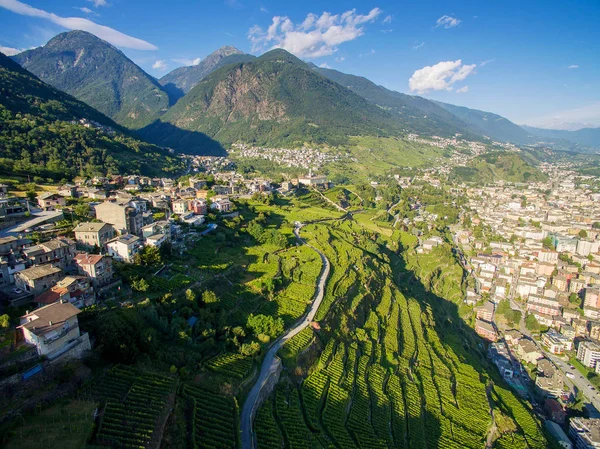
306, 158
61, 275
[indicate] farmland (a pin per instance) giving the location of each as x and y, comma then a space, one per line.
384, 377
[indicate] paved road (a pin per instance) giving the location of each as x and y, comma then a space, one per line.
35, 220
582, 384
270, 361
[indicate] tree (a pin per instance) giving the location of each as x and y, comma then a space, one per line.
139, 284
574, 298
263, 324
547, 243
4, 321
532, 323
583, 234
82, 210
596, 225
250, 349
190, 295
209, 297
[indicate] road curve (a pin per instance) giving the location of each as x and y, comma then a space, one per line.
269, 362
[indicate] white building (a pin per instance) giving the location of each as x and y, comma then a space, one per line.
588, 353
124, 248
53, 329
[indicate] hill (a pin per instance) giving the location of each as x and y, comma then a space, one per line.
416, 113
489, 124
40, 134
100, 75
497, 165
275, 99
181, 80
586, 136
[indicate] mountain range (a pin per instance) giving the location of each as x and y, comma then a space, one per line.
275, 99
48, 133
97, 73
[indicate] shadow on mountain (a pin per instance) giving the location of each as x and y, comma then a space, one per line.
189, 142
174, 93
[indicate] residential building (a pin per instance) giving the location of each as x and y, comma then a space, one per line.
585, 433
8, 245
555, 410
180, 207
588, 353
53, 329
94, 234
486, 312
123, 217
560, 436
98, 268
221, 205
528, 351
548, 381
486, 330
198, 207
38, 279
556, 343
592, 298
59, 251
125, 247
76, 290
49, 201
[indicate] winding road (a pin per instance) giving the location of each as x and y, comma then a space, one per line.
271, 362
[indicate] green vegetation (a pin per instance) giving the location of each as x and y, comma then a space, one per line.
290, 106
67, 424
38, 138
98, 74
495, 166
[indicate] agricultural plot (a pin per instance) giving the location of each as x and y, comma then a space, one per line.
385, 378
231, 365
134, 404
213, 418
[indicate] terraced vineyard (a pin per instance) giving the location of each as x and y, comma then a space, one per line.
397, 367
134, 405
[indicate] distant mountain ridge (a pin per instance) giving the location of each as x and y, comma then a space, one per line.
181, 80
275, 99
489, 124
99, 74
417, 114
41, 134
586, 136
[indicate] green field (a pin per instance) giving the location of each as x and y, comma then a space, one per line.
67, 425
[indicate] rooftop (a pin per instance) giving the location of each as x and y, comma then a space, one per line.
39, 272
88, 259
89, 227
49, 318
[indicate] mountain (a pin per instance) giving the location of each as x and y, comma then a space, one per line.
275, 99
499, 165
41, 134
586, 136
489, 124
181, 80
416, 113
100, 75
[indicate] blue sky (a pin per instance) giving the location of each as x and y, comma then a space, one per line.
535, 62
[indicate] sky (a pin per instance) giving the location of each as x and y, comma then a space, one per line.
534, 62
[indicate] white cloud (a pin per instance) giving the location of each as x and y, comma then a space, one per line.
9, 51
340, 59
440, 76
486, 62
324, 66
574, 66
263, 9
447, 22
159, 64
186, 61
417, 45
98, 3
315, 37
77, 23
462, 90
85, 10
389, 30
388, 19
369, 53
